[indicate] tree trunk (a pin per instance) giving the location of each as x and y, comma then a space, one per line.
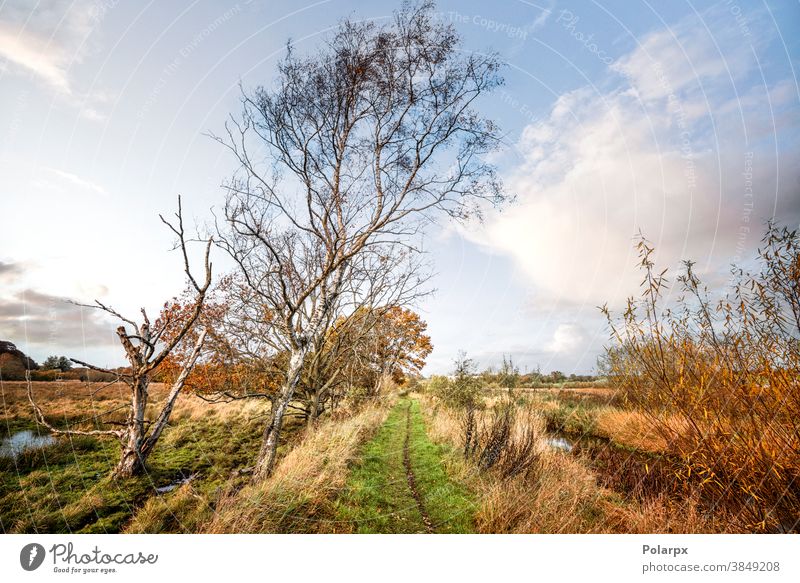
380, 383
312, 412
130, 464
376, 388
269, 443
136, 445
131, 461
149, 442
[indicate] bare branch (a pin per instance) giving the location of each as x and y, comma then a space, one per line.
39, 414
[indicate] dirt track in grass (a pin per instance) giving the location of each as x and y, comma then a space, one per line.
412, 481
400, 484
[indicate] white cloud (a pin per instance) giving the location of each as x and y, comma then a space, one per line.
647, 155
568, 338
57, 180
685, 59
32, 53
77, 181
46, 38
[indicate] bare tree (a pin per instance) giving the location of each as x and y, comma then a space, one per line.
366, 141
146, 346
365, 343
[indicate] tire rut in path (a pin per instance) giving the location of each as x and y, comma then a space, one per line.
412, 482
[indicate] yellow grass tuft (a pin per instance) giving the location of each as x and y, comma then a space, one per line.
299, 494
630, 428
182, 511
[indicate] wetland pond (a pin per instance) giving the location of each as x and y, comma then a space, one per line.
22, 441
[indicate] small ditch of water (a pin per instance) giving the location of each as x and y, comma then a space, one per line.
571, 443
175, 484
22, 441
560, 443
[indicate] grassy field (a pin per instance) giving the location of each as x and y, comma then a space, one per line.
390, 466
64, 487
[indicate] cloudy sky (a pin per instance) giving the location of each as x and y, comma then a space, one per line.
679, 121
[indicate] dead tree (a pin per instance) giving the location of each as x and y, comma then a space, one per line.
146, 346
366, 141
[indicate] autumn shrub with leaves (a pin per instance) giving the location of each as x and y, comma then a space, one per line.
463, 390
234, 363
371, 349
719, 380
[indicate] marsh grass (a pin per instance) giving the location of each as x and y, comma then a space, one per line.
300, 494
184, 510
560, 496
570, 493
600, 416
64, 487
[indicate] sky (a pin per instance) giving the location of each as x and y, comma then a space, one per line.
677, 120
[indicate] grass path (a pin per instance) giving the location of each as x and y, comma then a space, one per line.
400, 484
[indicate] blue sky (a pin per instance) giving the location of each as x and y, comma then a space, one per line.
678, 119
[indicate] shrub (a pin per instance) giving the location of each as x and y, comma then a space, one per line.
502, 440
718, 380
463, 391
438, 385
45, 375
11, 368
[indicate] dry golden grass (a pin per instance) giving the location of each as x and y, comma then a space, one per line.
299, 494
630, 428
561, 496
69, 399
92, 403
604, 392
183, 511
190, 406
663, 515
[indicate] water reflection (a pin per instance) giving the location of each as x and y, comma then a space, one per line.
559, 443
22, 441
179, 482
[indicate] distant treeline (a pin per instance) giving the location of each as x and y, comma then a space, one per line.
14, 363
508, 376
537, 379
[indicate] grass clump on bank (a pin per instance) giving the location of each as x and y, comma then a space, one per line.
562, 493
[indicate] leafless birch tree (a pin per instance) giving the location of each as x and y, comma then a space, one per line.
146, 346
342, 163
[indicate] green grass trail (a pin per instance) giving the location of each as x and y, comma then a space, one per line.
379, 496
